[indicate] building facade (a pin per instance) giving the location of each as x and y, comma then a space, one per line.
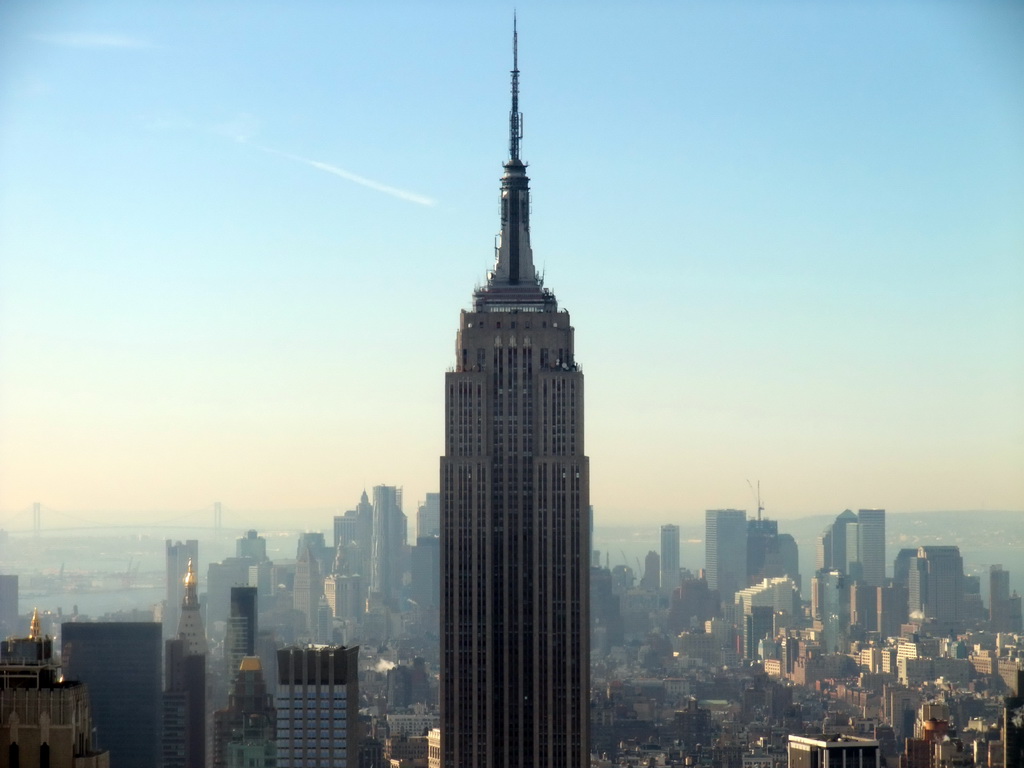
854, 545
252, 545
8, 604
1004, 609
45, 720
936, 587
831, 751
515, 516
830, 609
871, 546
178, 555
428, 516
308, 588
242, 628
245, 731
317, 705
120, 662
183, 706
390, 535
834, 544
670, 579
725, 551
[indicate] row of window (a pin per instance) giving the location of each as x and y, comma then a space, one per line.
512, 323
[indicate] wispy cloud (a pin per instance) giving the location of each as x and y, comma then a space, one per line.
401, 194
93, 40
240, 128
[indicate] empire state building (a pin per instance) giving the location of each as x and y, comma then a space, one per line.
515, 516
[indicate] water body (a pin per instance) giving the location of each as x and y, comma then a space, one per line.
92, 603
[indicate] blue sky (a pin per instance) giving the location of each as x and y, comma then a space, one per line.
235, 238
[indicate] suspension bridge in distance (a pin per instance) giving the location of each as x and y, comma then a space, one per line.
209, 518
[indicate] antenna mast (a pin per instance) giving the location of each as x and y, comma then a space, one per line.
515, 117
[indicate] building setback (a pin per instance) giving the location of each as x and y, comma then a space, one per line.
515, 516
44, 719
244, 732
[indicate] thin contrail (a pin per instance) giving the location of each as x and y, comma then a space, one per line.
401, 194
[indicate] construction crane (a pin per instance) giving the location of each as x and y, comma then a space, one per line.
757, 495
130, 573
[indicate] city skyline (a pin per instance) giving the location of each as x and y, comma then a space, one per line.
217, 229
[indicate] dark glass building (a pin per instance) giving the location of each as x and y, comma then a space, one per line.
242, 628
120, 662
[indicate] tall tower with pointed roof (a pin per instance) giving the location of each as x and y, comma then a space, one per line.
190, 623
183, 742
515, 514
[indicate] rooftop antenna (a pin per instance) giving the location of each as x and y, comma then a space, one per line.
515, 117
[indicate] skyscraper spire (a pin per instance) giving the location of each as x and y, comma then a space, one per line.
513, 285
515, 117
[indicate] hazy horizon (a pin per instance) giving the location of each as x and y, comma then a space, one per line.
102, 556
235, 241
268, 521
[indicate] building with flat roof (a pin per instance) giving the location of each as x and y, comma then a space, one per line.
120, 662
670, 577
428, 516
871, 546
8, 604
725, 551
936, 587
242, 628
317, 705
833, 751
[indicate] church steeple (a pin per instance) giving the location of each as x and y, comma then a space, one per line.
513, 284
